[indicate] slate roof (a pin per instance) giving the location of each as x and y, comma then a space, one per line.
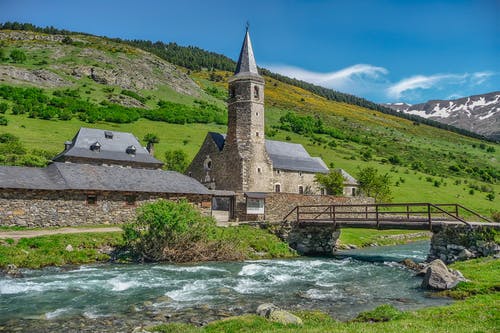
246, 61
111, 149
76, 176
348, 179
285, 155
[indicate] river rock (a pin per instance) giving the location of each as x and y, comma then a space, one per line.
408, 263
439, 277
275, 314
69, 248
465, 254
13, 271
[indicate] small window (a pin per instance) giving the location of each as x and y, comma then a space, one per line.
259, 170
300, 173
108, 135
91, 199
353, 191
130, 200
277, 188
96, 146
257, 134
255, 92
255, 206
301, 189
232, 92
131, 150
257, 114
322, 191
207, 164
190, 174
277, 171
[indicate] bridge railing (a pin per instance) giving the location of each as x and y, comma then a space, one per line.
382, 212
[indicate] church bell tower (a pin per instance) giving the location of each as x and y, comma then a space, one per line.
245, 142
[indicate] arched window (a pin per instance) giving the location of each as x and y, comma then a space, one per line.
277, 188
255, 92
207, 164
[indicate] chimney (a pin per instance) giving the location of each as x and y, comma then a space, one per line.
67, 145
151, 148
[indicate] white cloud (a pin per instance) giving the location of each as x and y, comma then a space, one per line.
411, 85
344, 79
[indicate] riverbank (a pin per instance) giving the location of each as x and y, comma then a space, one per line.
59, 249
479, 312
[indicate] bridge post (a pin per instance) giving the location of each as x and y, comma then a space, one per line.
429, 216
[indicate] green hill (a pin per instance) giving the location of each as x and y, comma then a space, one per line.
84, 80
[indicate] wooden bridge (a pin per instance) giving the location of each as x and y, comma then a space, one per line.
413, 216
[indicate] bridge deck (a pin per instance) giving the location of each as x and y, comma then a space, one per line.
405, 225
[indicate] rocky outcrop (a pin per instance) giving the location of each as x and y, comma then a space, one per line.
439, 277
38, 77
275, 314
461, 243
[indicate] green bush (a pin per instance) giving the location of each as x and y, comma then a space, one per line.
18, 56
3, 121
175, 232
4, 107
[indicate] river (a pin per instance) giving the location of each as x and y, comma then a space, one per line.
120, 297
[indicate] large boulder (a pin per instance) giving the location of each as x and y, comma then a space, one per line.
439, 277
275, 314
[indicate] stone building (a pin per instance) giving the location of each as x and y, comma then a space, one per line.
243, 160
100, 177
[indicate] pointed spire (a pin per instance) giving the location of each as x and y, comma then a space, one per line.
246, 61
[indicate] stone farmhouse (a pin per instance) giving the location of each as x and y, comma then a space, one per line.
100, 177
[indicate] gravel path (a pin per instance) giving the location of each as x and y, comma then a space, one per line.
35, 233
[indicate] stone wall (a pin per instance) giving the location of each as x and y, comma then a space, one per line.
291, 180
455, 243
280, 204
35, 208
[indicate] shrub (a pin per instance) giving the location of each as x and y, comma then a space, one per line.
4, 107
175, 232
3, 121
18, 56
176, 160
490, 196
495, 216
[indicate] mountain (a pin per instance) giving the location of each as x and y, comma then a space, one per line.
478, 113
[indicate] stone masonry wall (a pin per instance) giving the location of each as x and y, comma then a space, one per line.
280, 204
34, 208
455, 243
277, 205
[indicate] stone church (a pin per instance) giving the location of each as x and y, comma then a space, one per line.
243, 160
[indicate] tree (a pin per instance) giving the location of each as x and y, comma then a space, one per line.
333, 182
372, 184
176, 160
18, 56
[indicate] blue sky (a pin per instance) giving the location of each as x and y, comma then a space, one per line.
388, 50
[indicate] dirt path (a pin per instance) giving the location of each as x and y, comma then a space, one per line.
35, 233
